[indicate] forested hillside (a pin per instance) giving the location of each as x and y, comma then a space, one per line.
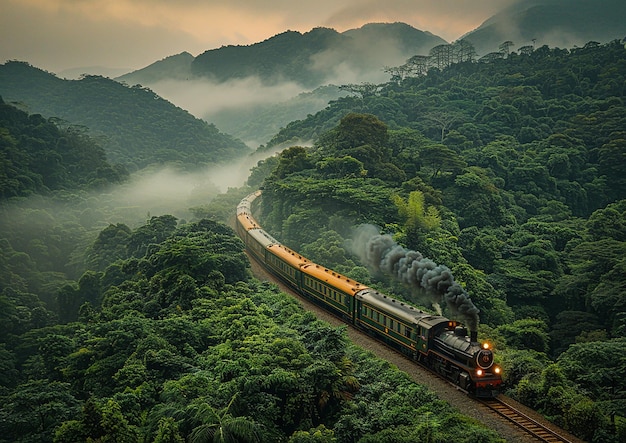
552, 114
509, 172
173, 341
315, 57
37, 157
135, 126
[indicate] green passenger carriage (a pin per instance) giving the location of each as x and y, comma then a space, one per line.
435, 341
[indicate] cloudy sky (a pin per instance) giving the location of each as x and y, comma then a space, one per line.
56, 35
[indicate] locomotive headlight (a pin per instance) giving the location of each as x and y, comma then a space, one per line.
496, 369
485, 345
479, 372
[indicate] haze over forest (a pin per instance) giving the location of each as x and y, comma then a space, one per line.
486, 137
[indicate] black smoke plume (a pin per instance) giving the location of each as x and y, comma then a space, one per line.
381, 254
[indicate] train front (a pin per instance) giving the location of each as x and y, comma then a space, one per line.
488, 375
481, 376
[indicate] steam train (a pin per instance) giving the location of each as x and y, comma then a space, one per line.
441, 344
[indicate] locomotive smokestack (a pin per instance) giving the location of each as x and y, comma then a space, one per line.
474, 336
382, 254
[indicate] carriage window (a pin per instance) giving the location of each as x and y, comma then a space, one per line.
407, 332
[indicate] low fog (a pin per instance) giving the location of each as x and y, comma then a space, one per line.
363, 62
165, 190
205, 99
148, 193
363, 59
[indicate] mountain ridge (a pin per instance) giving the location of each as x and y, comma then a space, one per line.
311, 58
555, 23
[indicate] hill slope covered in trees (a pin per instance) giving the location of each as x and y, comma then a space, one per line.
38, 157
136, 127
174, 341
510, 173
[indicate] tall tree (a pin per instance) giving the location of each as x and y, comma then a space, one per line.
221, 426
442, 56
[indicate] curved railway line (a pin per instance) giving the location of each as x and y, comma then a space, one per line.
528, 427
511, 420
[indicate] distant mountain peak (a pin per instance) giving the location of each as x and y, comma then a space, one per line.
318, 56
555, 23
177, 66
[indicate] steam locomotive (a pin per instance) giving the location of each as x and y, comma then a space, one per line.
437, 342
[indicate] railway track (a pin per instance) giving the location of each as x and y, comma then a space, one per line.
515, 428
531, 426
528, 428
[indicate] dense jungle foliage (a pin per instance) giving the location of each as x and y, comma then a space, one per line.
173, 341
135, 126
508, 172
37, 157
158, 333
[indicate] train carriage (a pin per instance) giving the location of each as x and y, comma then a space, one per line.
257, 241
245, 205
245, 220
245, 223
402, 325
285, 263
330, 288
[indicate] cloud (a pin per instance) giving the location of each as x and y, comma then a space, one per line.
203, 98
54, 36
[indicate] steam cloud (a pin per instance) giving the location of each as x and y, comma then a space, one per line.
383, 255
